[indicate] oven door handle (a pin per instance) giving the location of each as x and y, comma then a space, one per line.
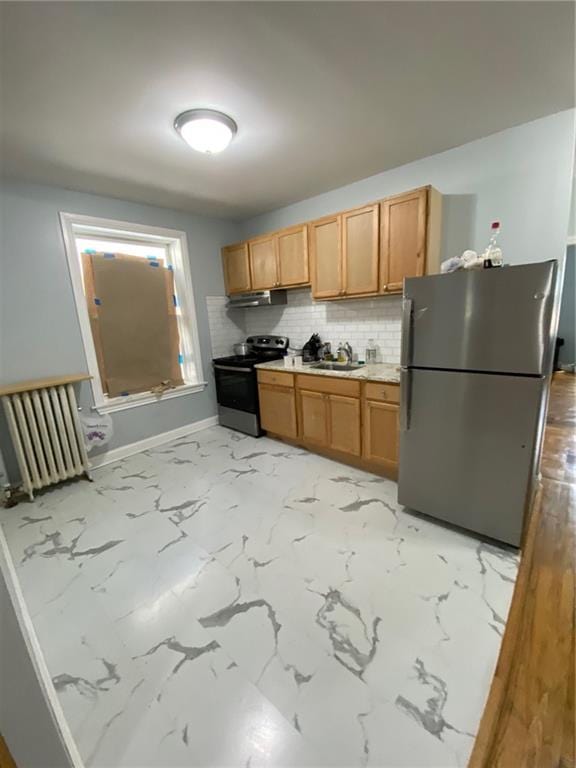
232, 368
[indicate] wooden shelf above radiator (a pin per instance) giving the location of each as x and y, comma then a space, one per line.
54, 381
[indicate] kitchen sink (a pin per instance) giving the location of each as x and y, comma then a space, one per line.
337, 366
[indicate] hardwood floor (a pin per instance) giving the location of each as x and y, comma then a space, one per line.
529, 718
6, 760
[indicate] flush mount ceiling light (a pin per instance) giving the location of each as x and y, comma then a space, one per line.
206, 130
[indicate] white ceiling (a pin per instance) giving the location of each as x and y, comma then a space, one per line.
323, 93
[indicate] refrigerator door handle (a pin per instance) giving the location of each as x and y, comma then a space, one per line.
406, 351
405, 398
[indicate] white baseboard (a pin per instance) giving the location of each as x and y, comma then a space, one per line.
108, 457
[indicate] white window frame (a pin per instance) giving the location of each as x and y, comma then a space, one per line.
77, 225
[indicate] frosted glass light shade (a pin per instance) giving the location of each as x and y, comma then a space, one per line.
206, 130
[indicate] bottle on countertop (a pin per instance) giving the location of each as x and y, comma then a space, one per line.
371, 352
492, 256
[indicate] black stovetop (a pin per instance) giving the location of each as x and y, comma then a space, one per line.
247, 361
263, 348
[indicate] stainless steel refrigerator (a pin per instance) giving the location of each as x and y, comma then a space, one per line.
477, 352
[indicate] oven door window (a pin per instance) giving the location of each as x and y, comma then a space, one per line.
237, 389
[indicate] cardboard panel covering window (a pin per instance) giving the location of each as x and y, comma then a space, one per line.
132, 309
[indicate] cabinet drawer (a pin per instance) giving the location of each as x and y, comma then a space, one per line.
386, 393
329, 385
279, 378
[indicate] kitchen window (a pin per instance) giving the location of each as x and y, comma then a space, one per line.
135, 303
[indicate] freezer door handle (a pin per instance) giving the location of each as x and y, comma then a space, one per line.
405, 398
406, 352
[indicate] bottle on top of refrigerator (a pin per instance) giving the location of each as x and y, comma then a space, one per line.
492, 256
371, 351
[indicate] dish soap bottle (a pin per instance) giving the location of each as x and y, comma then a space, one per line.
371, 352
492, 256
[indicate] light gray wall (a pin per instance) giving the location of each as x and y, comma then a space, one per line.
572, 225
567, 324
41, 334
521, 177
3, 473
26, 720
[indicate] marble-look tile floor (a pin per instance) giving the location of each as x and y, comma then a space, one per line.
227, 601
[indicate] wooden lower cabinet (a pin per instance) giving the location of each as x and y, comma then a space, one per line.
342, 418
314, 417
278, 410
330, 421
344, 421
381, 434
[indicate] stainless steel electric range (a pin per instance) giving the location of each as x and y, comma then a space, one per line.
237, 385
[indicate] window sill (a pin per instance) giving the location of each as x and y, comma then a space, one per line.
146, 398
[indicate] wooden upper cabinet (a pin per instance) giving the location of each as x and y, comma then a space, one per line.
293, 256
264, 263
360, 250
236, 268
326, 257
403, 238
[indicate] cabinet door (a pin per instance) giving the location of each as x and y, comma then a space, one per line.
345, 424
314, 417
236, 268
293, 256
277, 410
381, 433
326, 257
360, 250
263, 263
403, 238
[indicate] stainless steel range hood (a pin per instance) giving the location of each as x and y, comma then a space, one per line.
257, 299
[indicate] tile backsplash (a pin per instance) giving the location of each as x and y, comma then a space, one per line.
352, 320
227, 327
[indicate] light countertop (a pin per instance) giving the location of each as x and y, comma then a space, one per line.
370, 372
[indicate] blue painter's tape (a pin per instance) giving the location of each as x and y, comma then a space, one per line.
97, 301
175, 300
152, 258
170, 267
154, 263
180, 358
124, 394
89, 250
109, 255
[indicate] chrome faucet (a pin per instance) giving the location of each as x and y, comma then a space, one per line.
346, 349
